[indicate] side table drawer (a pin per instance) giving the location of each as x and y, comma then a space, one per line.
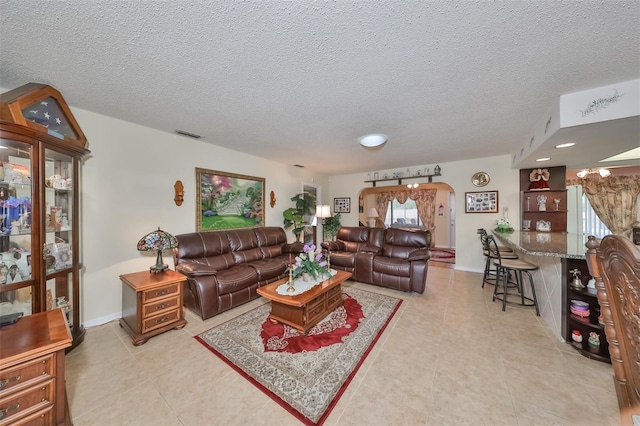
160, 306
39, 418
158, 321
26, 401
161, 292
22, 375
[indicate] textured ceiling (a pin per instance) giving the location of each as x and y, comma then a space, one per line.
299, 82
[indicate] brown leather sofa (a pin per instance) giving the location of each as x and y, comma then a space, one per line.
390, 258
224, 268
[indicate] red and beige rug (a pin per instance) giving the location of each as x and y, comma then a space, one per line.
305, 374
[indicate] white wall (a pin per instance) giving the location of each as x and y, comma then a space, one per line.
457, 174
127, 191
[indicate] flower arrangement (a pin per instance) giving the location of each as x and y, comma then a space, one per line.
311, 261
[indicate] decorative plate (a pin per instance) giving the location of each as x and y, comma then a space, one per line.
480, 179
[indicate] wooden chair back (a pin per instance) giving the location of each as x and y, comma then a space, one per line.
615, 265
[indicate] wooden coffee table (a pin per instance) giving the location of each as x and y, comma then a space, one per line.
305, 310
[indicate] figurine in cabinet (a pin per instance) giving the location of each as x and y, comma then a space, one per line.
539, 180
542, 203
576, 284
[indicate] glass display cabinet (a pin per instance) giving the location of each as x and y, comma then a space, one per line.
41, 147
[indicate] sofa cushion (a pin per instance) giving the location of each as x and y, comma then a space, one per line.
353, 238
206, 248
236, 278
244, 245
400, 244
342, 259
269, 269
391, 266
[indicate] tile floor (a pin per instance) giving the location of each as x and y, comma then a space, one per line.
449, 357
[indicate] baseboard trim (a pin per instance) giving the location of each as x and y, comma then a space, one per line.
102, 320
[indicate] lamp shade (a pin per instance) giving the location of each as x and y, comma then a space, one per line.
323, 211
157, 241
373, 212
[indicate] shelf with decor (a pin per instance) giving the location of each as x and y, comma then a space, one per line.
543, 202
43, 147
582, 324
401, 178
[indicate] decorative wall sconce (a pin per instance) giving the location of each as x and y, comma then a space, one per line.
179, 193
273, 199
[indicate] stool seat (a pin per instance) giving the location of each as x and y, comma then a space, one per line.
515, 264
510, 255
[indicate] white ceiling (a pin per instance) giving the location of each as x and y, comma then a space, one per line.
298, 82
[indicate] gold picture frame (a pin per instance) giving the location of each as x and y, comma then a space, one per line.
228, 200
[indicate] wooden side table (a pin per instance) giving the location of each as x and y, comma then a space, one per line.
151, 304
32, 386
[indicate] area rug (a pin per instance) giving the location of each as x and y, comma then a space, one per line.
443, 255
305, 374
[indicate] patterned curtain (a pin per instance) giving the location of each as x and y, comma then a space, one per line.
614, 199
425, 203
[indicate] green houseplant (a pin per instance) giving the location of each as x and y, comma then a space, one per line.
331, 226
294, 216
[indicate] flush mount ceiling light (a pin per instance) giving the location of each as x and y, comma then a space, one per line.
373, 140
543, 159
565, 145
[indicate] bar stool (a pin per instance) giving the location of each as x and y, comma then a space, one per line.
504, 268
489, 276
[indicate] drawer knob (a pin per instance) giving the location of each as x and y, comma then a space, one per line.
5, 411
162, 293
164, 305
163, 319
5, 382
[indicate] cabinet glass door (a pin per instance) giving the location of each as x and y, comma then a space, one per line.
16, 194
58, 229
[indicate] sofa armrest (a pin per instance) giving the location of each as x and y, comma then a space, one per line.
192, 270
371, 248
331, 245
294, 248
421, 254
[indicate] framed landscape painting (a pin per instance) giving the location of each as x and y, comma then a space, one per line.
228, 201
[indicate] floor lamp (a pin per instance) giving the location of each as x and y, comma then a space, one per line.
323, 211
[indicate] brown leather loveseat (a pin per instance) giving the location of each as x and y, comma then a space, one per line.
391, 258
224, 268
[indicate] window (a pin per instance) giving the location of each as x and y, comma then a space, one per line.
403, 215
591, 223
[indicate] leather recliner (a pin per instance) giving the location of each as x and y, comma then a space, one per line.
392, 258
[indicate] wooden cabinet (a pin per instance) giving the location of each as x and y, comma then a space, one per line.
41, 149
32, 386
544, 209
579, 327
151, 304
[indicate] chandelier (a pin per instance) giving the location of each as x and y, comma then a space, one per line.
601, 171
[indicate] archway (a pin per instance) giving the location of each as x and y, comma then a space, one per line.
443, 235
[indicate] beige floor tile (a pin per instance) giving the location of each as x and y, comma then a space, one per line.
140, 405
373, 407
449, 356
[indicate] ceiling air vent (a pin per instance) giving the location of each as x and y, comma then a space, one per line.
298, 165
191, 135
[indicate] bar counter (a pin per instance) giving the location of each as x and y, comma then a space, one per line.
549, 251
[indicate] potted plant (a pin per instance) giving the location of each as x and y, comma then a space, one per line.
294, 216
331, 225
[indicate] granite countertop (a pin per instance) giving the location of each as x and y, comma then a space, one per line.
552, 244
